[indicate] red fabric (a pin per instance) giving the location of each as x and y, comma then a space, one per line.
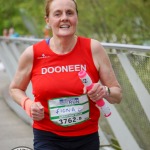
48, 84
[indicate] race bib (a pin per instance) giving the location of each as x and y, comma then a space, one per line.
67, 111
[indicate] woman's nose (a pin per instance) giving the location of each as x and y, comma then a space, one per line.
64, 17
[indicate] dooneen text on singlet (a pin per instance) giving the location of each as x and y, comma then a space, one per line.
59, 69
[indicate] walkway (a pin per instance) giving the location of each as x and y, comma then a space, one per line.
14, 132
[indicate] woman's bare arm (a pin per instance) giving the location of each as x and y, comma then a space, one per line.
107, 75
21, 78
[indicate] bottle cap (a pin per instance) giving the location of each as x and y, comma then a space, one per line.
82, 74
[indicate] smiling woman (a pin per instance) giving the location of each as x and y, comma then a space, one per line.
62, 18
52, 66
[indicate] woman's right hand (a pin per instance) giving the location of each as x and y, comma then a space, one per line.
37, 111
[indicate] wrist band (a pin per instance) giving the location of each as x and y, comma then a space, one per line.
26, 105
23, 102
107, 90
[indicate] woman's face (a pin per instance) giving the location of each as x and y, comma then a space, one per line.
63, 18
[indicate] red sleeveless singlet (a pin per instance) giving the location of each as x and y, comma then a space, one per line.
54, 75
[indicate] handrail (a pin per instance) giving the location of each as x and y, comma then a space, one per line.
116, 46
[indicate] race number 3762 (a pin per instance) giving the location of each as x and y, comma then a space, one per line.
70, 120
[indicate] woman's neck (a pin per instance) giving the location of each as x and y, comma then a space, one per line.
62, 45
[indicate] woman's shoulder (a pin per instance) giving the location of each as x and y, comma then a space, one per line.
96, 45
27, 54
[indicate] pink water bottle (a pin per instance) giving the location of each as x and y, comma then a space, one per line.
86, 80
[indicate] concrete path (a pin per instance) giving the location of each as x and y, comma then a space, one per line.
14, 132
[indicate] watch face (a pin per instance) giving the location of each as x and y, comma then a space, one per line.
107, 90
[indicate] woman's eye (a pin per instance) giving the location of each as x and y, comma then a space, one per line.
69, 13
57, 14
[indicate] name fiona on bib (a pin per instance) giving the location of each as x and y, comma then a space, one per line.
59, 69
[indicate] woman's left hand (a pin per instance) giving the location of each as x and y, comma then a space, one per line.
97, 92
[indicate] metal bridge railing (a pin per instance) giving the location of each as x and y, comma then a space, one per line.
129, 119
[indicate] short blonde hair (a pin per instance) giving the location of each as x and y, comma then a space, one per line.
48, 3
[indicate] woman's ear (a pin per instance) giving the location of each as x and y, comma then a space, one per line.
46, 19
48, 26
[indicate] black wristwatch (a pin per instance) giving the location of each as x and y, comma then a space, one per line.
107, 91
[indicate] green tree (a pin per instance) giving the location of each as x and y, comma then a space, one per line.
111, 21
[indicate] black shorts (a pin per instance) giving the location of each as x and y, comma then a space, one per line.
44, 140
